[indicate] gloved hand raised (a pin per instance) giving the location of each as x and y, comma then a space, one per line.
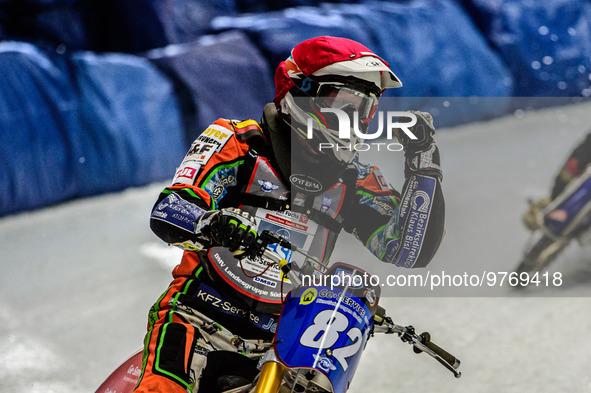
422, 155
423, 130
229, 227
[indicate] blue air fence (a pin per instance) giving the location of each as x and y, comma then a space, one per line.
79, 125
56, 123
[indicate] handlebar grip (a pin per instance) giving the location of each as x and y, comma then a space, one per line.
448, 357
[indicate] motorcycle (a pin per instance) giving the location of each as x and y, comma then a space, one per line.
564, 219
321, 333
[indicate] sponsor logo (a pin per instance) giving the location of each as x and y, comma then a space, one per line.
189, 246
326, 204
201, 152
385, 206
267, 186
263, 281
423, 198
215, 135
271, 326
308, 296
186, 172
221, 184
135, 371
221, 304
159, 214
345, 300
323, 363
217, 191
285, 221
305, 182
381, 180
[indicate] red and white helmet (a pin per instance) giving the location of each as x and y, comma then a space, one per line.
331, 72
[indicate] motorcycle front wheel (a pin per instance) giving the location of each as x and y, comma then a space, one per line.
540, 255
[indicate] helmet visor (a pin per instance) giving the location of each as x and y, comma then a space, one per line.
348, 100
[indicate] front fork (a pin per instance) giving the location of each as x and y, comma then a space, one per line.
270, 378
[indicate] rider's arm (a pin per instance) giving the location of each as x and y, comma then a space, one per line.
208, 169
402, 229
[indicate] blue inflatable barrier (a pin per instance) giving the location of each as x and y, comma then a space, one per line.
224, 76
109, 25
38, 107
70, 23
81, 125
273, 5
437, 51
158, 23
276, 33
439, 55
546, 44
76, 123
131, 131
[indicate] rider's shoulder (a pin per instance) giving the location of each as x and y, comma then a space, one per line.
222, 131
243, 130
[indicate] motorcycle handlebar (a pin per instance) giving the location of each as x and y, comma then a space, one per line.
421, 343
446, 356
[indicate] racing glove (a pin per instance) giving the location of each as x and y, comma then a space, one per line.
229, 227
422, 155
423, 130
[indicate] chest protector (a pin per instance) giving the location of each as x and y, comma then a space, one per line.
310, 223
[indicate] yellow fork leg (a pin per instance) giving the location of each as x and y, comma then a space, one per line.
270, 379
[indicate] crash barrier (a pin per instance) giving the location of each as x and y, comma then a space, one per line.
546, 45
79, 125
221, 75
109, 25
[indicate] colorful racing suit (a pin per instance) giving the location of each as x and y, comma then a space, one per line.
218, 303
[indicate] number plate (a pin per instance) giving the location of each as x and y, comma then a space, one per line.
324, 329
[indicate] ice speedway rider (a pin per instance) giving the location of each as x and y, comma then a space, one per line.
574, 166
219, 314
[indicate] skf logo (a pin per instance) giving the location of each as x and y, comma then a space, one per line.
201, 152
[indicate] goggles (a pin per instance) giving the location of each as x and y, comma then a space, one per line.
345, 93
347, 99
